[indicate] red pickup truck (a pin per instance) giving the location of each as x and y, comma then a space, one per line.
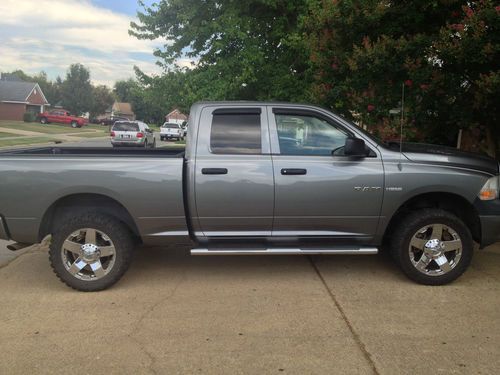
62, 117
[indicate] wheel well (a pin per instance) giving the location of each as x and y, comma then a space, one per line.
452, 203
94, 202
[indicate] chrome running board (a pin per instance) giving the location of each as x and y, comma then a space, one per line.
288, 251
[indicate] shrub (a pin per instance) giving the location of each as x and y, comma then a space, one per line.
28, 117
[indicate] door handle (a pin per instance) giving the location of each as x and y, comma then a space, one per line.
293, 171
214, 170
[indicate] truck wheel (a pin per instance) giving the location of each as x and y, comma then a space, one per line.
43, 120
432, 246
74, 124
90, 251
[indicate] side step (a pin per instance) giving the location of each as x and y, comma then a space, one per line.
288, 251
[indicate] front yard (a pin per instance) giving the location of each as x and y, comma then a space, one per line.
18, 133
50, 128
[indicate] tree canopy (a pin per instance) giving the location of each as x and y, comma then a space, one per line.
352, 56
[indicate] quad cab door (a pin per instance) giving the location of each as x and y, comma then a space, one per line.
319, 192
234, 184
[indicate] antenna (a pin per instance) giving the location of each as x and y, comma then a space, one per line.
400, 166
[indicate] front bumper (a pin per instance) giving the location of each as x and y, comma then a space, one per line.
489, 215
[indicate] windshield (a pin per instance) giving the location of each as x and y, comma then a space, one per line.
125, 127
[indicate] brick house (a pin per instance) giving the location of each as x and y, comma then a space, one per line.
176, 117
18, 97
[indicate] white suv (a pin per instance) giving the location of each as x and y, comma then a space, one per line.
132, 133
171, 130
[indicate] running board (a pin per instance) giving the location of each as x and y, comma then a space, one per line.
288, 251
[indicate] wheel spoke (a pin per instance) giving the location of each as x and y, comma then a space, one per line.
77, 266
437, 231
90, 236
97, 269
423, 262
107, 251
72, 247
452, 245
443, 263
419, 243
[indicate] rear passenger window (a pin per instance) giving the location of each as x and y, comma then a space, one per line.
235, 133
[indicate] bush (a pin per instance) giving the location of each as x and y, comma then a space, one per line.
28, 117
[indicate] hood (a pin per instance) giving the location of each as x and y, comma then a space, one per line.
434, 154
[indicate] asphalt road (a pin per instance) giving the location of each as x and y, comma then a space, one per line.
177, 314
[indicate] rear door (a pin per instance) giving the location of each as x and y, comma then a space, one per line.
320, 194
234, 184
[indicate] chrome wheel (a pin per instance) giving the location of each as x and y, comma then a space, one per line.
88, 254
435, 249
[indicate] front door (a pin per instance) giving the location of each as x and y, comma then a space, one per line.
319, 194
234, 185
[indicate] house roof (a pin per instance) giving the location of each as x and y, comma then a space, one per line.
17, 91
123, 107
176, 114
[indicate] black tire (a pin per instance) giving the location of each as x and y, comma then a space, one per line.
410, 226
43, 120
112, 228
74, 124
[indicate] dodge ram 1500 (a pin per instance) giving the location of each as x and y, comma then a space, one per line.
254, 178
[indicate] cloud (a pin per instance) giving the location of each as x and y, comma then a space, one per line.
51, 34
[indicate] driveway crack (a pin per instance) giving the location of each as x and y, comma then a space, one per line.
346, 320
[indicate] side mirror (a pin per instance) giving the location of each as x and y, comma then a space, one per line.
355, 147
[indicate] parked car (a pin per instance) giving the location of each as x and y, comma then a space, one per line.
132, 134
61, 117
111, 120
238, 189
171, 130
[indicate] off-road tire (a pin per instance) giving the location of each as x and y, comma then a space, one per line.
113, 228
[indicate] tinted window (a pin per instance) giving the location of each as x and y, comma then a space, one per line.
234, 133
308, 135
126, 127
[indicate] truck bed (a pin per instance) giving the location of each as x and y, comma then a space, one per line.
173, 152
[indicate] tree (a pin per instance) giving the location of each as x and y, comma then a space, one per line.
244, 50
445, 53
102, 98
77, 90
123, 90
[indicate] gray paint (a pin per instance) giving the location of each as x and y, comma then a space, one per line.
253, 201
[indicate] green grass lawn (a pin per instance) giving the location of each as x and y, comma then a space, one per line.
49, 128
4, 135
25, 141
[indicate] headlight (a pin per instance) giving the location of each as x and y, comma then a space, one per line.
489, 190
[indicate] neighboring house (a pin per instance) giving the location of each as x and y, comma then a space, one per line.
18, 97
176, 116
123, 110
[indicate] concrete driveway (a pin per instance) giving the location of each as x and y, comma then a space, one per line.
173, 313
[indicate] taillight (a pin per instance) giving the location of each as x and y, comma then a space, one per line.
140, 135
112, 134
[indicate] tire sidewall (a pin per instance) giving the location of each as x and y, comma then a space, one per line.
109, 226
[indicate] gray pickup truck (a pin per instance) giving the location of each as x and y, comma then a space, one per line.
254, 178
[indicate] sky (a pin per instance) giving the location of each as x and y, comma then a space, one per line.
50, 35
